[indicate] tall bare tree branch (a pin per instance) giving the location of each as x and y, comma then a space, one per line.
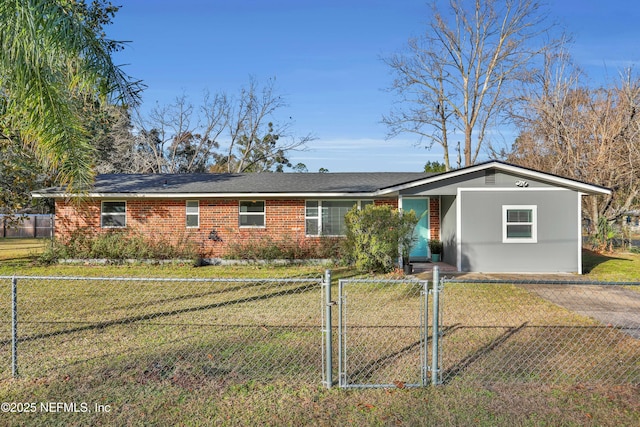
458, 76
224, 134
590, 134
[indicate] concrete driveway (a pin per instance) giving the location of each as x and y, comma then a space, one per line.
609, 304
613, 305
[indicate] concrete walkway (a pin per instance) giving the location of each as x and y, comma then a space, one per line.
419, 268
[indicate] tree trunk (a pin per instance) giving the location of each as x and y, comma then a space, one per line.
467, 146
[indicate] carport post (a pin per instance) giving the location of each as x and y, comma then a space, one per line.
14, 327
435, 335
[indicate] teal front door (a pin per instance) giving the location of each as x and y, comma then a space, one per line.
420, 251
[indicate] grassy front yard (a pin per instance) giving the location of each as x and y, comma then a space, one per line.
21, 250
141, 372
614, 267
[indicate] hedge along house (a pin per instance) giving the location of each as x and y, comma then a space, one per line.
491, 217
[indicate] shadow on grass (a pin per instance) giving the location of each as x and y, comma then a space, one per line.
145, 317
591, 260
531, 351
372, 367
462, 365
18, 260
224, 354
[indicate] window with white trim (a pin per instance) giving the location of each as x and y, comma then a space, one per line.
193, 213
326, 217
113, 215
519, 224
252, 213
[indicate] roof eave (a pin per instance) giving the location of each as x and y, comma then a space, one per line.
583, 187
62, 195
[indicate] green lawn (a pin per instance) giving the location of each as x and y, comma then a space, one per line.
166, 365
21, 250
614, 267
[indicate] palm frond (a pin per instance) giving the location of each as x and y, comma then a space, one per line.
52, 60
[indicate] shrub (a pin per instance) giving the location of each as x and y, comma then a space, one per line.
260, 248
435, 246
119, 245
329, 248
609, 236
375, 234
268, 248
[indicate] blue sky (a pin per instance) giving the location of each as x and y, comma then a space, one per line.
325, 56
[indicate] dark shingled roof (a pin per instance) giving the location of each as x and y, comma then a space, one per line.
306, 184
238, 183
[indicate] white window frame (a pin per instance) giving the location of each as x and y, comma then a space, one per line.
263, 214
319, 215
104, 214
196, 214
533, 223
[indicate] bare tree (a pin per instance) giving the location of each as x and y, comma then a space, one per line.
223, 135
458, 76
177, 138
256, 142
588, 134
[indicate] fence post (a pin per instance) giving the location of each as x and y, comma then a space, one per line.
425, 333
328, 332
435, 336
14, 327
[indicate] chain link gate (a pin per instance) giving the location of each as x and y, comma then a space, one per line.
383, 334
489, 331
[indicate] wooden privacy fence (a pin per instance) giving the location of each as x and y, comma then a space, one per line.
27, 226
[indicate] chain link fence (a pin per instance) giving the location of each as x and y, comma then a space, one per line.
183, 330
540, 331
356, 333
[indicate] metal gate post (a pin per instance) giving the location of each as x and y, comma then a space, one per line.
425, 333
328, 330
14, 327
342, 376
435, 336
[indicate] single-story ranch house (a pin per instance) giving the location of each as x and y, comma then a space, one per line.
490, 217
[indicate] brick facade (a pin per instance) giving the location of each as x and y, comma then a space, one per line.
434, 217
219, 222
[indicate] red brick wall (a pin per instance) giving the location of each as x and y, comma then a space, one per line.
391, 202
166, 218
70, 216
434, 217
